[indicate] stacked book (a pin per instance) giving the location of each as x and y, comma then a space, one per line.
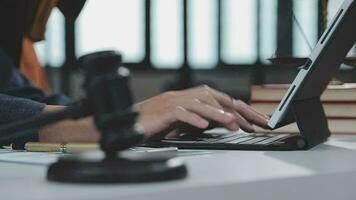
339, 102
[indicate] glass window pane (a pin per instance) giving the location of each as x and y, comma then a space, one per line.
306, 12
268, 25
167, 33
333, 7
239, 35
51, 51
40, 48
202, 36
112, 24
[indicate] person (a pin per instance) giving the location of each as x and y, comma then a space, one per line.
20, 99
197, 106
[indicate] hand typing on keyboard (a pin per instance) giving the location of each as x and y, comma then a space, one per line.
201, 107
198, 107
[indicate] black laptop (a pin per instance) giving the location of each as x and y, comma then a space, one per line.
300, 104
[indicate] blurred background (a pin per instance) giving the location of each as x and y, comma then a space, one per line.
177, 43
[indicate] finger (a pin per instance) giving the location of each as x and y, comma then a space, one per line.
181, 114
222, 98
238, 105
209, 112
243, 123
203, 95
233, 126
226, 100
250, 108
207, 98
250, 114
172, 134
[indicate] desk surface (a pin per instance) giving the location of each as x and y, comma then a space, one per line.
325, 172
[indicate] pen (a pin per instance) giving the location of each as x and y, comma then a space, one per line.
63, 148
80, 147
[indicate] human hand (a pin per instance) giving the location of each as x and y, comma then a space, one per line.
198, 107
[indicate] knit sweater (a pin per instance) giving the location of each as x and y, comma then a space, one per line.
20, 99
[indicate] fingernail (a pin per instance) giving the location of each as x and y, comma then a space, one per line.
229, 115
234, 127
204, 124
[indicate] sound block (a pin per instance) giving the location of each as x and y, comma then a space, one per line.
84, 169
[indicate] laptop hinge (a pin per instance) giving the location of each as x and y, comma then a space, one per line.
311, 120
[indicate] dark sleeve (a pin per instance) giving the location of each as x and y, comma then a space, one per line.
20, 99
13, 83
15, 109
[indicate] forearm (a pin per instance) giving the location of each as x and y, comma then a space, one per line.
82, 130
14, 109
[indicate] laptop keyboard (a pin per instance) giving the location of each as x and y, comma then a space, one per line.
231, 138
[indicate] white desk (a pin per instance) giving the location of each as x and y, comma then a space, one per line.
325, 172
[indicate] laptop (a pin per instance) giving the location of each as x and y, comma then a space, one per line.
300, 104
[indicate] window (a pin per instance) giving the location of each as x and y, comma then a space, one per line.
333, 7
112, 24
268, 35
239, 38
305, 27
247, 34
202, 33
51, 50
167, 33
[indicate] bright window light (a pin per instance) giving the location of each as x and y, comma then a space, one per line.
333, 7
239, 31
167, 33
306, 12
51, 50
112, 25
268, 35
202, 36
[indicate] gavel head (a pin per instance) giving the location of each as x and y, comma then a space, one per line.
109, 99
100, 63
